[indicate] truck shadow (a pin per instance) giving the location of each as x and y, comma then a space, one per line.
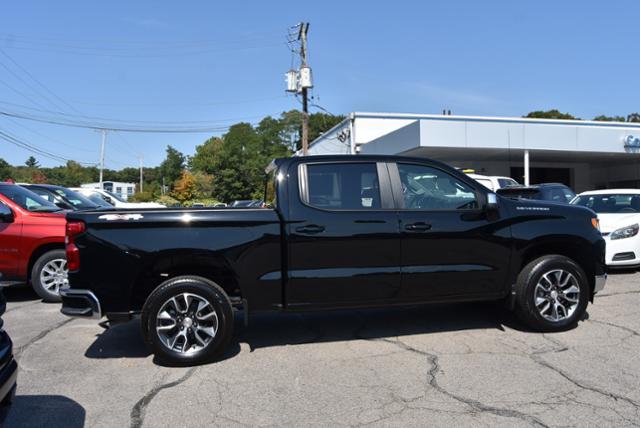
370, 324
44, 411
19, 293
279, 329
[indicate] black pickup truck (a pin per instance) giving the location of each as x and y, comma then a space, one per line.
339, 232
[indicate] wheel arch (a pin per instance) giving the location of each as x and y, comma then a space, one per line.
214, 268
576, 249
39, 252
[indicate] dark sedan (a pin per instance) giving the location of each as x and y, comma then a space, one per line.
554, 192
63, 198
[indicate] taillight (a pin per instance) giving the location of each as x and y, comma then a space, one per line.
73, 229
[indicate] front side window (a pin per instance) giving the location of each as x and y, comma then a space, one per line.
343, 186
427, 188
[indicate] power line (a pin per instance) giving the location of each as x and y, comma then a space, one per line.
42, 85
113, 127
36, 150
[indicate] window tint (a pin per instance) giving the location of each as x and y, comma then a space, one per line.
426, 188
610, 203
346, 186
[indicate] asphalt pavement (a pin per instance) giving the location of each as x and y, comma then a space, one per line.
439, 365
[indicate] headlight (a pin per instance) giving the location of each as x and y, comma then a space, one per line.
625, 232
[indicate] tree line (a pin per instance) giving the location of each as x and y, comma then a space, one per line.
222, 169
556, 114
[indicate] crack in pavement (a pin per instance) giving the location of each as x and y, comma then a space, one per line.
138, 410
621, 293
537, 358
22, 306
40, 336
621, 327
474, 404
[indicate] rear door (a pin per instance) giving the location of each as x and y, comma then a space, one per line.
343, 237
451, 247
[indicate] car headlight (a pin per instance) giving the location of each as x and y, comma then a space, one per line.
625, 232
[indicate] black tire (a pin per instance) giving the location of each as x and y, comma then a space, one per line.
532, 273
203, 288
38, 266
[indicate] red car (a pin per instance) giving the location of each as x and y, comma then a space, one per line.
32, 232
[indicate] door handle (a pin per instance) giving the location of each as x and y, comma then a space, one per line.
310, 229
418, 227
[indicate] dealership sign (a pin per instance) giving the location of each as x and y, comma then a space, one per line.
632, 142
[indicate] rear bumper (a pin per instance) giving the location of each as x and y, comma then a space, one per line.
80, 303
599, 283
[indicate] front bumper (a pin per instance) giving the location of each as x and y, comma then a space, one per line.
599, 283
80, 303
622, 252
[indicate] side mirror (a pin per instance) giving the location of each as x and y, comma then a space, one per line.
492, 202
6, 215
63, 205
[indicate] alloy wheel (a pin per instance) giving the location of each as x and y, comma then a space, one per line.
54, 275
557, 295
186, 323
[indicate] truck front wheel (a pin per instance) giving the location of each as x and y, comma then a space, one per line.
187, 320
552, 293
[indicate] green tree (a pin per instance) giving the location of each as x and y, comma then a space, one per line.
318, 124
5, 170
633, 117
603, 118
550, 114
205, 158
32, 162
173, 165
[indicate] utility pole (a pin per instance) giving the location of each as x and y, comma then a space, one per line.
299, 81
104, 141
302, 36
140, 158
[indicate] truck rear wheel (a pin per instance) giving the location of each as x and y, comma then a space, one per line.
552, 293
188, 320
48, 274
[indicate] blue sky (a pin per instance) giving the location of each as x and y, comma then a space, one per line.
222, 62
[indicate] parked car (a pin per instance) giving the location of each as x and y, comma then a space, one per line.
8, 366
62, 197
113, 199
493, 183
248, 203
32, 232
344, 232
619, 214
553, 192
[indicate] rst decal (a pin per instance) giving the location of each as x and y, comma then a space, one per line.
111, 217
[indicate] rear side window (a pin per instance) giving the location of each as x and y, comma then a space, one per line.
343, 186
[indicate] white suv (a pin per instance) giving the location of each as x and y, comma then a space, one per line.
114, 199
494, 183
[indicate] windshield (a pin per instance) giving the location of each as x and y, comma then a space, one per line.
27, 199
505, 182
75, 199
610, 203
97, 199
114, 196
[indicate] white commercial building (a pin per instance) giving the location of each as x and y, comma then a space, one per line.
122, 190
582, 154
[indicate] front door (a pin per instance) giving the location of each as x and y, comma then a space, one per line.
343, 237
451, 248
10, 236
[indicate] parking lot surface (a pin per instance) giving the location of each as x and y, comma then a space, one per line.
444, 365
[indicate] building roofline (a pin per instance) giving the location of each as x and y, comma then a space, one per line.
382, 115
